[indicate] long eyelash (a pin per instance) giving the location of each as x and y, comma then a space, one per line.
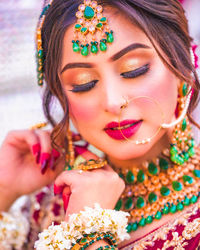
137, 72
84, 87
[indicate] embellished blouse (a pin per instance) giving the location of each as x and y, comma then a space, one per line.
179, 234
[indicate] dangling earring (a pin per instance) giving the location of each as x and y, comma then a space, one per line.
70, 157
182, 147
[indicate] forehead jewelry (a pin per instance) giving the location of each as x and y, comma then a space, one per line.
39, 53
90, 21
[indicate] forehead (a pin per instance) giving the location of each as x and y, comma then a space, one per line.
125, 33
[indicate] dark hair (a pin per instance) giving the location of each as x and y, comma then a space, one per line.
164, 23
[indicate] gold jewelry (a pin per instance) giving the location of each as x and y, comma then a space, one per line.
157, 188
184, 102
147, 140
125, 104
92, 164
39, 125
90, 20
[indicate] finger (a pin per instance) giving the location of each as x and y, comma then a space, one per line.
17, 137
46, 149
68, 178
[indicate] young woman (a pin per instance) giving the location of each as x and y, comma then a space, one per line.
123, 74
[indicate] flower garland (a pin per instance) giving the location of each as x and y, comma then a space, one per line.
13, 230
91, 220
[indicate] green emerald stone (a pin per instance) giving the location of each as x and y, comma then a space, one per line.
177, 186
186, 201
140, 202
184, 89
196, 173
103, 19
121, 176
164, 165
92, 235
149, 219
186, 156
89, 13
110, 38
152, 197
94, 49
165, 210
134, 226
142, 222
173, 150
184, 125
76, 47
193, 199
164, 191
84, 51
180, 206
158, 215
40, 54
129, 228
118, 205
191, 143
173, 209
103, 46
152, 168
83, 240
140, 176
130, 177
188, 179
84, 30
129, 203
78, 26
191, 152
177, 159
99, 25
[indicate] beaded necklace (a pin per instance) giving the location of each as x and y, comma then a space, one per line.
159, 187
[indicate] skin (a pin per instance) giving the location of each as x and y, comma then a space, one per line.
91, 111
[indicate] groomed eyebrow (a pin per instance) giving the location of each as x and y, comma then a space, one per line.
115, 57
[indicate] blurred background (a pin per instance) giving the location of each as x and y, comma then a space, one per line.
20, 97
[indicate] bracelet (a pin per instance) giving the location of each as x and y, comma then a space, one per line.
87, 222
92, 238
14, 229
107, 247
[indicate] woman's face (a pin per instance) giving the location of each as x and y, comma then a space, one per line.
97, 86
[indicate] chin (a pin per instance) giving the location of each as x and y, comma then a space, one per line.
129, 151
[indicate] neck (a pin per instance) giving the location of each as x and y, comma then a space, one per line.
154, 152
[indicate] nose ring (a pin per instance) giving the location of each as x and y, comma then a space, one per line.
125, 103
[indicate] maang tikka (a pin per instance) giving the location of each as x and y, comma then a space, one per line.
90, 21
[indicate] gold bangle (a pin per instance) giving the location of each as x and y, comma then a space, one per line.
92, 164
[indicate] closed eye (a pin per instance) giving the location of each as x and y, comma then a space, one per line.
84, 87
135, 73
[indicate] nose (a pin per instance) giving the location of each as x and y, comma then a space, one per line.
113, 99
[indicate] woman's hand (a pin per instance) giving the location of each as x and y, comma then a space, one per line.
102, 186
27, 163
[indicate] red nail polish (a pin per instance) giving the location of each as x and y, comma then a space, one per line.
51, 163
66, 198
44, 157
44, 166
58, 189
55, 154
36, 148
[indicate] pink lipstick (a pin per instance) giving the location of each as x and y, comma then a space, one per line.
126, 128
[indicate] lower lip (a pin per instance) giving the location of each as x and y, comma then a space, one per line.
124, 133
